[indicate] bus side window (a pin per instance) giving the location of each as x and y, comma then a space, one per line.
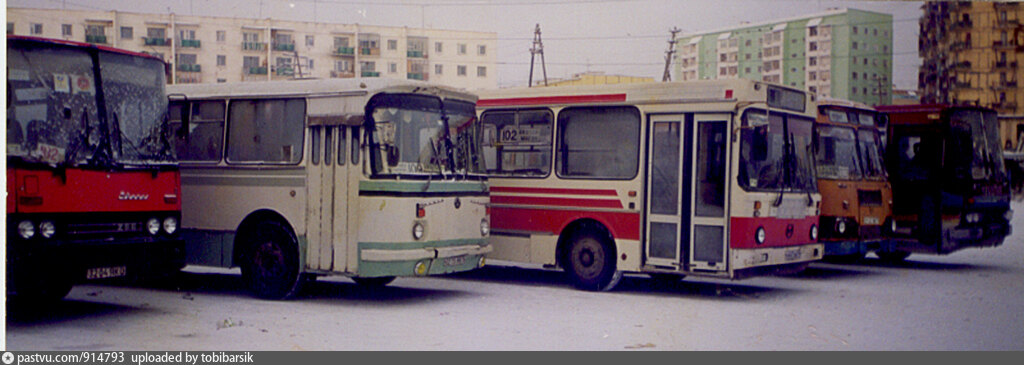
328, 145
315, 149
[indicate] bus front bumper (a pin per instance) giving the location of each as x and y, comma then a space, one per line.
774, 256
376, 262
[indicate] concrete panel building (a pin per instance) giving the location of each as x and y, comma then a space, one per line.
220, 49
841, 53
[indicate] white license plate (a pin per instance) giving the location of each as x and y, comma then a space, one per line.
792, 255
105, 272
454, 261
871, 221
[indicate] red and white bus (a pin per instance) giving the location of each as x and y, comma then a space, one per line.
706, 178
92, 183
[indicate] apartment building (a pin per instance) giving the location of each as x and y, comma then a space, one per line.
221, 49
972, 53
840, 53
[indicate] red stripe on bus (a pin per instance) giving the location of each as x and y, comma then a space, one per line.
559, 202
621, 225
744, 230
600, 192
541, 100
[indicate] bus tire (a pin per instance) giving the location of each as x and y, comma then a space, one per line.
43, 289
892, 257
270, 265
376, 282
590, 262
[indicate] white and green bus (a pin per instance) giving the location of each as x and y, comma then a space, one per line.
292, 180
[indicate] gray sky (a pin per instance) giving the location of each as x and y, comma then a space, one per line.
626, 37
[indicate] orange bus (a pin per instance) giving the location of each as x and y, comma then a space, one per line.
706, 178
856, 203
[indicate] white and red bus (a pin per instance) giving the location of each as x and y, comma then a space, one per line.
707, 178
92, 184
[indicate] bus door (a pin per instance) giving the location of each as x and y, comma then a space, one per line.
328, 189
668, 191
708, 240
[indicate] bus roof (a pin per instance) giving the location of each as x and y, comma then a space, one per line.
64, 42
680, 91
844, 103
325, 87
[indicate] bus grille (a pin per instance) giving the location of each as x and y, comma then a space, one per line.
870, 198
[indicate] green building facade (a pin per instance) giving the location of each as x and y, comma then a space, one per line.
840, 54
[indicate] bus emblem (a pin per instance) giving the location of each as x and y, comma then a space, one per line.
129, 196
789, 231
458, 203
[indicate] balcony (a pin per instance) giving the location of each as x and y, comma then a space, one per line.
415, 54
185, 67
343, 74
369, 51
961, 25
284, 71
345, 51
1004, 64
959, 46
1004, 105
1009, 44
96, 39
191, 43
262, 70
284, 47
254, 46
1008, 24
960, 66
1005, 85
156, 41
189, 78
370, 74
416, 76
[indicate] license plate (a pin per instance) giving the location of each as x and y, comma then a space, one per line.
792, 255
454, 261
871, 221
105, 272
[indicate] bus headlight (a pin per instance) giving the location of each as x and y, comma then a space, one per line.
893, 224
153, 226
759, 235
47, 229
485, 227
841, 226
814, 232
417, 231
26, 230
973, 217
170, 225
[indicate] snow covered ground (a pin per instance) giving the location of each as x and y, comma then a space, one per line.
970, 300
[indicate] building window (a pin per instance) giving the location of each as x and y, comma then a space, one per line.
865, 61
127, 33
481, 50
812, 61
10, 28
462, 48
854, 91
812, 31
309, 40
250, 61
221, 35
65, 30
854, 76
461, 70
392, 67
438, 69
813, 46
854, 30
812, 75
481, 71
221, 81
222, 60
854, 45
437, 47
36, 28
392, 44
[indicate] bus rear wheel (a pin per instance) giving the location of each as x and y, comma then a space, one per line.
590, 262
374, 282
270, 267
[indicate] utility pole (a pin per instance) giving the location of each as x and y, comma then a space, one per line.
668, 54
298, 65
538, 48
881, 90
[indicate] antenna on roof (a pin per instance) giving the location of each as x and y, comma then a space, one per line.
538, 48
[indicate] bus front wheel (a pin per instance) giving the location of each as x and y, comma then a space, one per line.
590, 262
271, 265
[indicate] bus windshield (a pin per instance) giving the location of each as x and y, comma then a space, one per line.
415, 136
775, 152
54, 112
836, 156
975, 143
870, 145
